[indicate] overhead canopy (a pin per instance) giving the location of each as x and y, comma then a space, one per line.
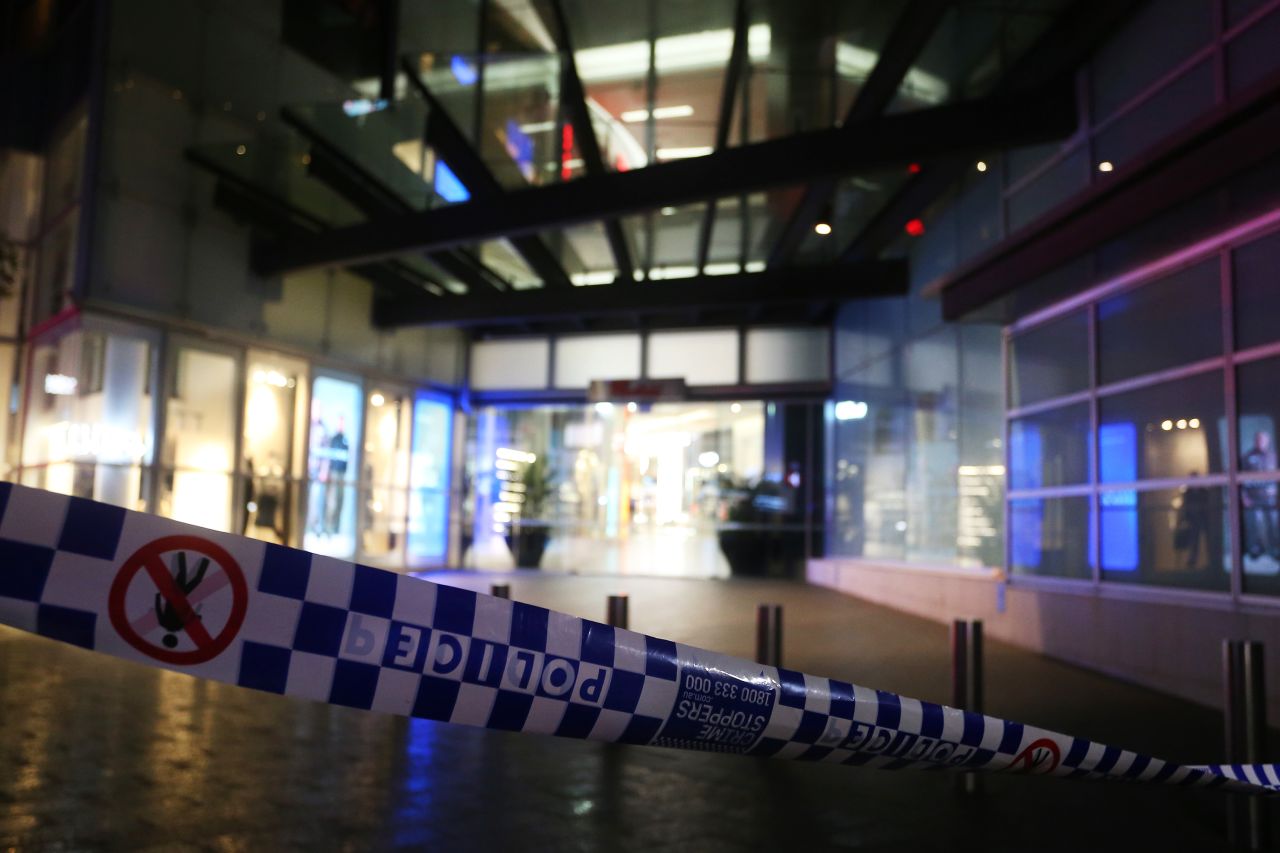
566, 162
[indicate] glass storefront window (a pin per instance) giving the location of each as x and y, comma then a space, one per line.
1049, 361
1170, 322
429, 469
1050, 448
90, 415
199, 439
1256, 298
1174, 429
1166, 537
333, 445
272, 450
618, 488
1050, 537
385, 484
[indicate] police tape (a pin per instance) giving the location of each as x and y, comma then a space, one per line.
259, 615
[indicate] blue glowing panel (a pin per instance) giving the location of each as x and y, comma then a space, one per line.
1118, 458
463, 71
520, 148
429, 480
1118, 452
1026, 457
447, 185
1026, 521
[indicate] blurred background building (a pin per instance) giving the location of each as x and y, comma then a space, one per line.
966, 307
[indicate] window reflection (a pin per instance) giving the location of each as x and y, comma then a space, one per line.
1050, 537
1050, 448
1174, 429
1168, 537
1176, 320
1049, 361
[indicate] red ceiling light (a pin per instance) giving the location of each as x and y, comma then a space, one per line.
914, 168
915, 227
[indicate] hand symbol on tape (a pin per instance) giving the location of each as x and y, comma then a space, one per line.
168, 615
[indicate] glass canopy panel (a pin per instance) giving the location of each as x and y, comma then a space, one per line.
504, 261
583, 251
277, 167
507, 106
856, 201
382, 139
808, 60
675, 241
694, 44
437, 280
970, 50
520, 137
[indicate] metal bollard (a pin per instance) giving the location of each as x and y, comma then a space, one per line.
615, 612
500, 590
769, 634
1244, 714
966, 681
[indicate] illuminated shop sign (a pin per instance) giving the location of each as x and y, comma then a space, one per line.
100, 442
59, 384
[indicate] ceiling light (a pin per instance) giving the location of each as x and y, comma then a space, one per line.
1166, 425
668, 211
679, 111
1182, 423
538, 127
982, 165
823, 228
682, 153
1194, 423
686, 52
1106, 166
735, 408
376, 399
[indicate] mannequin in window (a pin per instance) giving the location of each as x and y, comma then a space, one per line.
1258, 500
338, 453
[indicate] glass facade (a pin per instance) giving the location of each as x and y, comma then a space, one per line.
915, 458
1161, 470
243, 440
694, 488
89, 428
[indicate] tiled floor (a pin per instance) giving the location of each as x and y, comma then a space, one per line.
100, 754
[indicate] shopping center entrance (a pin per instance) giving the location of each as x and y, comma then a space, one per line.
692, 489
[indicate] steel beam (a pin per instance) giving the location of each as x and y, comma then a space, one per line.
803, 286
732, 74
575, 102
452, 145
1047, 113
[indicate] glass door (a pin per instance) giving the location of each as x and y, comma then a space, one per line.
271, 453
333, 451
384, 492
197, 459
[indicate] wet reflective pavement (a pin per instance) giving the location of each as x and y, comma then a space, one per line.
101, 754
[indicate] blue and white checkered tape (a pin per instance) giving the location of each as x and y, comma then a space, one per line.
245, 612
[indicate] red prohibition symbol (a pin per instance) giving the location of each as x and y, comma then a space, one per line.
1040, 757
172, 597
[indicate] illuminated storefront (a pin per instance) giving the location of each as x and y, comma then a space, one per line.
243, 440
